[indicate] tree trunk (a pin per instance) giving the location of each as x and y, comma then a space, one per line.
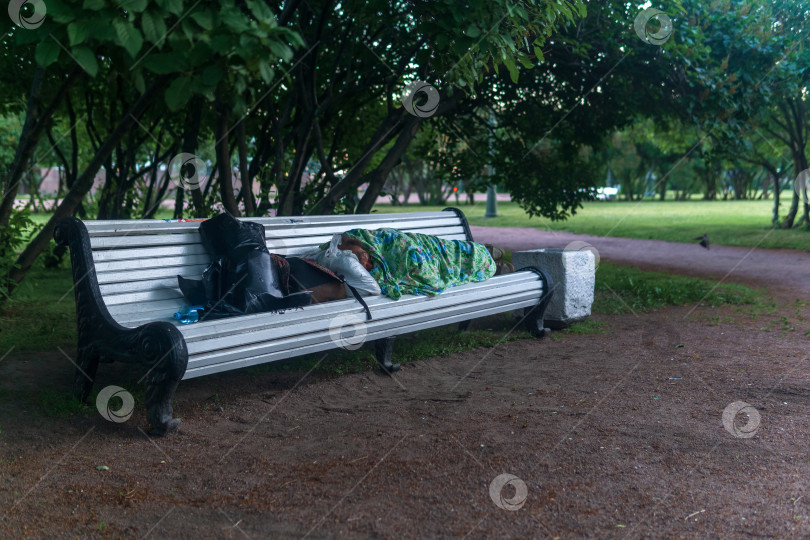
376, 178
31, 132
179, 199
83, 183
663, 194
799, 165
244, 177
190, 138
791, 215
223, 152
355, 177
32, 128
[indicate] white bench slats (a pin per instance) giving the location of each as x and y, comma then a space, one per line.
148, 253
132, 315
152, 274
122, 287
323, 341
161, 228
153, 311
149, 295
413, 311
137, 262
111, 266
291, 347
313, 237
157, 268
260, 321
130, 253
154, 226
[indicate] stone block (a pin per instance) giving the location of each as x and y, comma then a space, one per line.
573, 273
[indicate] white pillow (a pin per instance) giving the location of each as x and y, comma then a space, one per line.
346, 264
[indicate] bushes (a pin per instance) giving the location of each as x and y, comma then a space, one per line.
13, 236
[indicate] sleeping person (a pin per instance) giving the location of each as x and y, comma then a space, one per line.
414, 263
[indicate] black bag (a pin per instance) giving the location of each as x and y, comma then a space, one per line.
243, 277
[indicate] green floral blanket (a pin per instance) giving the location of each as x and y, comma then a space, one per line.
413, 263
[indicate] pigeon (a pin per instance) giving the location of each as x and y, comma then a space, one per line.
704, 241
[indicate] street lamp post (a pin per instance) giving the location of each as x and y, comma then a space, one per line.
492, 205
492, 200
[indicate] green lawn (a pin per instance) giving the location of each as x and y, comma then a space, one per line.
732, 223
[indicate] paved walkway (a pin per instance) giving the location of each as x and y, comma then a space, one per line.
779, 269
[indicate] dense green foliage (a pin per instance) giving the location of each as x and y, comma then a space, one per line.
311, 104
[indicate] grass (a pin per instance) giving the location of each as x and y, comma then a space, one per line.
41, 314
59, 404
622, 289
732, 223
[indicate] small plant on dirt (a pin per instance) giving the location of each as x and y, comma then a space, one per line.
783, 325
13, 236
580, 329
55, 404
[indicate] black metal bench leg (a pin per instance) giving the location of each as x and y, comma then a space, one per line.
87, 366
383, 349
463, 326
159, 394
167, 357
534, 322
533, 316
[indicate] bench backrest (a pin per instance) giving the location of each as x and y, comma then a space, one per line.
137, 262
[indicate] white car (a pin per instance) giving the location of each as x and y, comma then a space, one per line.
606, 193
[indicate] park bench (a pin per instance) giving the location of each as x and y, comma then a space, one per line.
125, 280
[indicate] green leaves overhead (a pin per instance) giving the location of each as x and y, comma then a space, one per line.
128, 37
163, 63
77, 32
510, 65
154, 28
86, 59
204, 45
47, 52
178, 93
495, 34
174, 7
95, 5
134, 6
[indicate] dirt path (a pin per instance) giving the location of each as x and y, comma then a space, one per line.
779, 269
618, 434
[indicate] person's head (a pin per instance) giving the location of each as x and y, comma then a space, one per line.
362, 254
